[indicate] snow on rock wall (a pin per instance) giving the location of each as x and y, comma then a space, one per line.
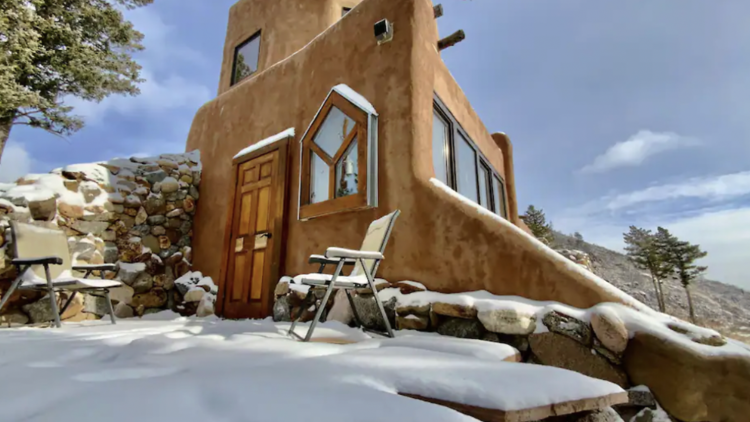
693, 372
135, 212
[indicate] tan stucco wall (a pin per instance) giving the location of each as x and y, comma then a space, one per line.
438, 240
287, 26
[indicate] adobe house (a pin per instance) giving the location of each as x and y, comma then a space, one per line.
370, 124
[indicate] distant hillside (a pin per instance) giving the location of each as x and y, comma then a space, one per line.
720, 306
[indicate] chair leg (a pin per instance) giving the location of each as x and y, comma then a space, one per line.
324, 301
52, 299
377, 300
306, 302
10, 291
110, 307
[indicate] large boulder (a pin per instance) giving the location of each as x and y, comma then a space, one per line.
508, 321
43, 208
13, 319
690, 385
281, 312
156, 298
461, 328
454, 310
412, 322
560, 323
40, 311
561, 351
610, 330
368, 312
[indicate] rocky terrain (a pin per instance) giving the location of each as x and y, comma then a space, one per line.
719, 306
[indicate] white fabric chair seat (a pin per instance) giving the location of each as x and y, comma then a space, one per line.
31, 281
353, 282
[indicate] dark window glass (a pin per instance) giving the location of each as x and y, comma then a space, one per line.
466, 169
484, 185
345, 10
246, 58
440, 147
499, 194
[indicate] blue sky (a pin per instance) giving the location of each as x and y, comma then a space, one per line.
620, 112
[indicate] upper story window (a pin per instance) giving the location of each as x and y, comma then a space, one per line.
459, 164
246, 58
345, 10
339, 157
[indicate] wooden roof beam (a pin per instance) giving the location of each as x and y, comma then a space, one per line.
451, 40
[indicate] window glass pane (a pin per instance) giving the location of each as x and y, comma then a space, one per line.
466, 169
499, 193
347, 172
319, 179
484, 175
439, 142
246, 59
333, 131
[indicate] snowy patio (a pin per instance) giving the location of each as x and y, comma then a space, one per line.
165, 367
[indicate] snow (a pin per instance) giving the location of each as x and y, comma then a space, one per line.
289, 133
132, 268
635, 321
355, 98
164, 367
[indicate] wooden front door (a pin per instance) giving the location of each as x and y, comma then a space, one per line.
255, 239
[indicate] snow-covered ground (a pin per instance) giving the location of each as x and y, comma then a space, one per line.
168, 368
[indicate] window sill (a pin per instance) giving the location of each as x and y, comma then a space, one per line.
334, 206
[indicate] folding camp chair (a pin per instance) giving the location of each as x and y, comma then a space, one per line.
365, 262
43, 263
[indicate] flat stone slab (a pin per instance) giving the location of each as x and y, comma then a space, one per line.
530, 414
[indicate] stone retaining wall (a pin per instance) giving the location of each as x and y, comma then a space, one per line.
135, 212
594, 342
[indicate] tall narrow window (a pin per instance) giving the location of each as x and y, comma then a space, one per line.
498, 191
246, 58
338, 167
440, 147
466, 169
484, 186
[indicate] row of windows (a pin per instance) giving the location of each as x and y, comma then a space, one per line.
459, 164
245, 61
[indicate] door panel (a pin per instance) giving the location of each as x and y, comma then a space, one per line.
252, 239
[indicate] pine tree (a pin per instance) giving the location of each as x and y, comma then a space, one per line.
682, 255
647, 253
536, 221
52, 49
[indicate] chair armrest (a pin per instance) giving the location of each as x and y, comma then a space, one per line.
54, 260
99, 267
352, 254
320, 259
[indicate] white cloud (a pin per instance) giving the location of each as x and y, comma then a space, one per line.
713, 188
156, 96
15, 163
634, 151
164, 57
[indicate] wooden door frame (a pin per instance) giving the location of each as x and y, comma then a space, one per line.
278, 224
